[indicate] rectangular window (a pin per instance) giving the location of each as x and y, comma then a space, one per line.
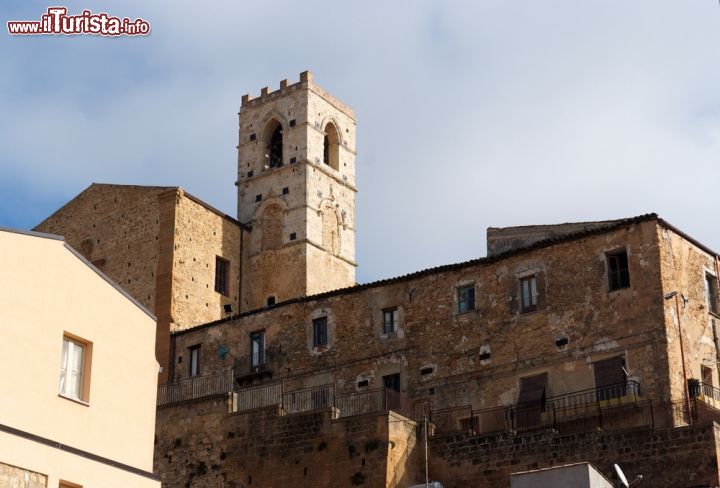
74, 372
194, 365
71, 368
466, 298
711, 293
390, 320
528, 294
257, 349
320, 335
67, 484
706, 374
618, 271
610, 378
222, 275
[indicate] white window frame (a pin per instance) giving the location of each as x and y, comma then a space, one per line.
72, 368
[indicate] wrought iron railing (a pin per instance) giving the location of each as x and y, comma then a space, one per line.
582, 410
309, 399
255, 363
704, 391
258, 397
196, 387
520, 419
617, 393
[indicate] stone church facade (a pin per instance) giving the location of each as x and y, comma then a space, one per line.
577, 342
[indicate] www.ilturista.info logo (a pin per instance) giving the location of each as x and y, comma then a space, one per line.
57, 21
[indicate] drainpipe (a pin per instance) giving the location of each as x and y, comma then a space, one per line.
240, 272
682, 352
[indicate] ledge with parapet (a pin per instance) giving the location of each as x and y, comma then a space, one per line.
306, 80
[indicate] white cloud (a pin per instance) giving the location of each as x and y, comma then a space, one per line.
470, 113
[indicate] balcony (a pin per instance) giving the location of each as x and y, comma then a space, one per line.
612, 407
255, 366
194, 388
321, 398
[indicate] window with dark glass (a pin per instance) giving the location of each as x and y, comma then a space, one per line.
466, 298
390, 320
194, 364
320, 332
711, 293
528, 294
222, 272
257, 349
618, 271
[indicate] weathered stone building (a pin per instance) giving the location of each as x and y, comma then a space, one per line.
568, 343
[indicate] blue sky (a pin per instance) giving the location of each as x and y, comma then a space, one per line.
470, 114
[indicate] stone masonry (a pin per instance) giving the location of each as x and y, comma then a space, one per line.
161, 245
564, 344
12, 477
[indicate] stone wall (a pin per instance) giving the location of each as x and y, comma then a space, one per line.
685, 266
160, 245
309, 204
14, 477
504, 239
116, 228
474, 358
204, 446
202, 235
667, 458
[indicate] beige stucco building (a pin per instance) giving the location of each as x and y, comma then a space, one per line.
78, 395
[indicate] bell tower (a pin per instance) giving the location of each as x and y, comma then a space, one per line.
296, 189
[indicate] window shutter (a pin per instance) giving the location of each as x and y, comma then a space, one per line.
532, 389
609, 372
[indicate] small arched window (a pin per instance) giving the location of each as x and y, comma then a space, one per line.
273, 144
331, 146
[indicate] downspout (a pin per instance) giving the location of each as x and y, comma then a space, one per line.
682, 357
240, 272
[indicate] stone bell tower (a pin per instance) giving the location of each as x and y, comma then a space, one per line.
296, 189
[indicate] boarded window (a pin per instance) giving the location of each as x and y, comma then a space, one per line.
610, 378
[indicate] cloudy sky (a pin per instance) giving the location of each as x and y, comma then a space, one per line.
470, 114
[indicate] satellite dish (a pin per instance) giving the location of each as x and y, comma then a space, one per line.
621, 476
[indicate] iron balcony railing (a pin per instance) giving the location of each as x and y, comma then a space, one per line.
196, 387
704, 391
619, 392
309, 399
322, 397
582, 410
259, 363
